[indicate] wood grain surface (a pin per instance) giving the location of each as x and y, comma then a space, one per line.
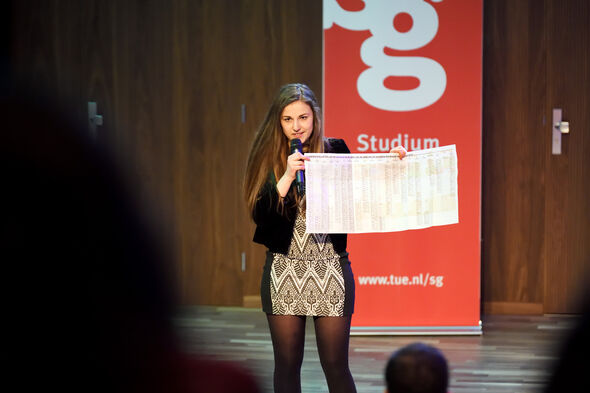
172, 80
536, 215
513, 152
515, 353
567, 206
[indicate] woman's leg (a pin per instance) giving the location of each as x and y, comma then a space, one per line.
288, 339
332, 334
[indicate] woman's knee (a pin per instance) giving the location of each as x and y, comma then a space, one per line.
289, 362
335, 366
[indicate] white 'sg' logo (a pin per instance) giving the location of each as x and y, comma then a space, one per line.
377, 16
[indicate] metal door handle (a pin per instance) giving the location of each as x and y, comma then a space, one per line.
94, 119
559, 127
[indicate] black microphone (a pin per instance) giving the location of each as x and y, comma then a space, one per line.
300, 176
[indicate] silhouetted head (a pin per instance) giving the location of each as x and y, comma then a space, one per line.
417, 368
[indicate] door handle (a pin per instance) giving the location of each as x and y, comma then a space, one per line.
559, 127
94, 119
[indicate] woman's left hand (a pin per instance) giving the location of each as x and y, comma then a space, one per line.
400, 150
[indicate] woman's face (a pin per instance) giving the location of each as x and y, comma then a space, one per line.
297, 121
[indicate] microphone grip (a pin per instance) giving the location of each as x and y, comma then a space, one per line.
296, 145
300, 182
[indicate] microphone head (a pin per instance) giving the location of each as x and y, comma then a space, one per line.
296, 145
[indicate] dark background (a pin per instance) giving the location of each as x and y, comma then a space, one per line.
171, 78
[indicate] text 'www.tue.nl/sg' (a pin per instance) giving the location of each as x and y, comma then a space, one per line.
422, 279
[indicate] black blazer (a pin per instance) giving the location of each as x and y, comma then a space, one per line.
275, 230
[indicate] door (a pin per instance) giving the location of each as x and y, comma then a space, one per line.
536, 215
567, 185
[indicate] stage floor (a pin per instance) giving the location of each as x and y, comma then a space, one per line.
514, 354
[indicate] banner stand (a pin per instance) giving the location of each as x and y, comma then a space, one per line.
410, 73
416, 330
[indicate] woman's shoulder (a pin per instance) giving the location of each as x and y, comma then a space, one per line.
335, 145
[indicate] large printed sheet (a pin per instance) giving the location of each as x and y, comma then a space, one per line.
360, 193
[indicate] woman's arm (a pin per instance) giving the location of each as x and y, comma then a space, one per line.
266, 204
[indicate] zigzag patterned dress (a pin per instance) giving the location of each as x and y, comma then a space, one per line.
312, 279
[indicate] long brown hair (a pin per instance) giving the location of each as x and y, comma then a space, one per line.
270, 148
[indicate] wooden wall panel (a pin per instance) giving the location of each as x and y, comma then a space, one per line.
170, 79
5, 41
107, 52
210, 68
513, 152
536, 216
281, 43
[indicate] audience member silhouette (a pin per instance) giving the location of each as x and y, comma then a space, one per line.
89, 291
570, 372
417, 368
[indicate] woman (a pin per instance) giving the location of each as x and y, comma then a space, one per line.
304, 274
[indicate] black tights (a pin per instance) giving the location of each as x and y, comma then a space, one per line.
288, 338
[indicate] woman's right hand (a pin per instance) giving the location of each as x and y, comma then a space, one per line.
295, 162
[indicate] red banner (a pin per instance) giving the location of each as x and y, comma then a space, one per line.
409, 72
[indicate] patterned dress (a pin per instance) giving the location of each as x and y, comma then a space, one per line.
312, 279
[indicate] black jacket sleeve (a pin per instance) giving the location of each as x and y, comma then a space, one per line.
334, 145
273, 229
